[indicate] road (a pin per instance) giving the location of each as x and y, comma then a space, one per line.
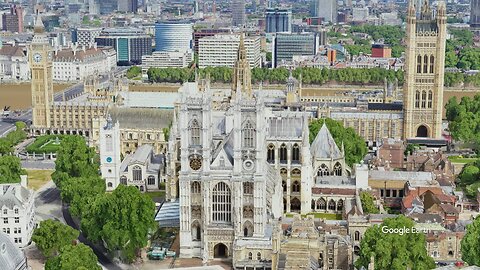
49, 206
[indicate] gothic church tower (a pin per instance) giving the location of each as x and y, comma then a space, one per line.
241, 77
40, 57
424, 71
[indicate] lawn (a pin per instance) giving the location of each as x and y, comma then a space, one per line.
38, 178
460, 159
328, 216
45, 144
155, 194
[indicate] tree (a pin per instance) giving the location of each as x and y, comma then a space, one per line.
74, 257
471, 243
134, 72
368, 203
355, 148
52, 235
411, 147
81, 191
393, 250
74, 159
10, 169
464, 119
469, 178
121, 219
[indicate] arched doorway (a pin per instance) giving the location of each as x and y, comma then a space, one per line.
422, 131
220, 251
295, 205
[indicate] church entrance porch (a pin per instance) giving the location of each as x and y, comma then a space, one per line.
220, 251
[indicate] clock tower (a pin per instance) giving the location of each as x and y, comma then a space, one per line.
40, 58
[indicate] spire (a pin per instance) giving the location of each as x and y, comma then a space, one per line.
241, 77
39, 27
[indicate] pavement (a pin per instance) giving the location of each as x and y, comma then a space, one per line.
38, 164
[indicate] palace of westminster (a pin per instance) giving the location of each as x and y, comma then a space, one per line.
237, 160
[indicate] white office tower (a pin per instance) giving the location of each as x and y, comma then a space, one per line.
110, 153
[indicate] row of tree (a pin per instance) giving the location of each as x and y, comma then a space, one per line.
13, 138
457, 79
59, 244
279, 75
122, 220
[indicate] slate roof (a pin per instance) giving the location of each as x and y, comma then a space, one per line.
385, 106
11, 197
11, 257
324, 146
11, 51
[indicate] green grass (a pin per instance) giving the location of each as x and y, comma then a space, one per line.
38, 178
156, 194
460, 159
328, 216
44, 144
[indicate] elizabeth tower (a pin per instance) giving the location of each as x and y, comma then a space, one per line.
40, 58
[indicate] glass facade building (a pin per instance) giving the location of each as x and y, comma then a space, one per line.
173, 36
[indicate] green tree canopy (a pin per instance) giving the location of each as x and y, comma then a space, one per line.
471, 243
470, 178
13, 138
134, 72
122, 219
74, 159
355, 147
10, 169
74, 257
81, 191
368, 203
464, 119
394, 251
52, 235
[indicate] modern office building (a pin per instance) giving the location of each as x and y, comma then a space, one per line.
475, 13
221, 50
285, 46
178, 59
173, 36
238, 13
278, 20
13, 21
107, 6
128, 5
201, 33
325, 9
130, 44
85, 36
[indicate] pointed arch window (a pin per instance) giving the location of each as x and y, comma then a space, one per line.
340, 205
195, 132
425, 64
430, 99
221, 203
331, 205
432, 62
296, 154
323, 171
296, 173
337, 169
137, 173
283, 153
357, 236
417, 99
284, 186
248, 188
271, 153
195, 187
296, 186
419, 64
322, 204
123, 180
248, 135
424, 99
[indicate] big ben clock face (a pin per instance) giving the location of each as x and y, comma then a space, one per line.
37, 57
195, 163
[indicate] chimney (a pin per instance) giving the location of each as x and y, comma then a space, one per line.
23, 181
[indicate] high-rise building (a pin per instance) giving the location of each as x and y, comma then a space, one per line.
325, 9
222, 50
424, 71
128, 5
278, 20
130, 43
173, 36
13, 21
238, 13
107, 6
201, 33
475, 13
41, 56
85, 36
285, 46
